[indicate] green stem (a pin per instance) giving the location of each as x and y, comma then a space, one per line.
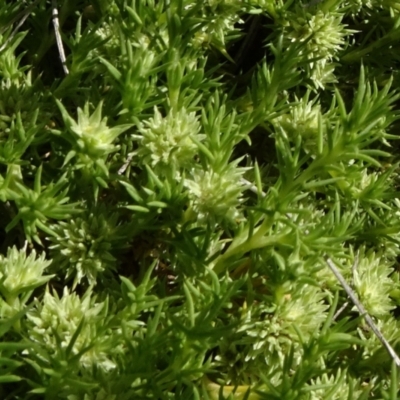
241, 245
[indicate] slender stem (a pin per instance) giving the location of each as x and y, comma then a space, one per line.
243, 243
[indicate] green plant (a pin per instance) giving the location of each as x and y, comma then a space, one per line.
169, 204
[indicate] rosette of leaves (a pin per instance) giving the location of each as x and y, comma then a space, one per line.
92, 140
36, 206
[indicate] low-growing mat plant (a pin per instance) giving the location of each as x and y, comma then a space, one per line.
191, 190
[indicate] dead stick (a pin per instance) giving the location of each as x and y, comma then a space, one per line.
56, 25
363, 311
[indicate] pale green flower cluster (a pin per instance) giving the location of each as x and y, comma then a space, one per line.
216, 194
373, 283
197, 168
294, 310
302, 119
107, 33
83, 246
324, 36
167, 140
325, 33
21, 273
55, 320
267, 331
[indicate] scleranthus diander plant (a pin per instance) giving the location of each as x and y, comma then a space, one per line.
173, 192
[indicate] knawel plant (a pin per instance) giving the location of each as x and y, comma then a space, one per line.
199, 200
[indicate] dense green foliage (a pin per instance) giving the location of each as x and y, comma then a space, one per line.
168, 206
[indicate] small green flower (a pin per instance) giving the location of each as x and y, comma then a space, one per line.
107, 32
167, 141
323, 35
373, 283
216, 194
83, 246
304, 308
302, 120
300, 305
54, 322
267, 329
323, 32
21, 273
363, 184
